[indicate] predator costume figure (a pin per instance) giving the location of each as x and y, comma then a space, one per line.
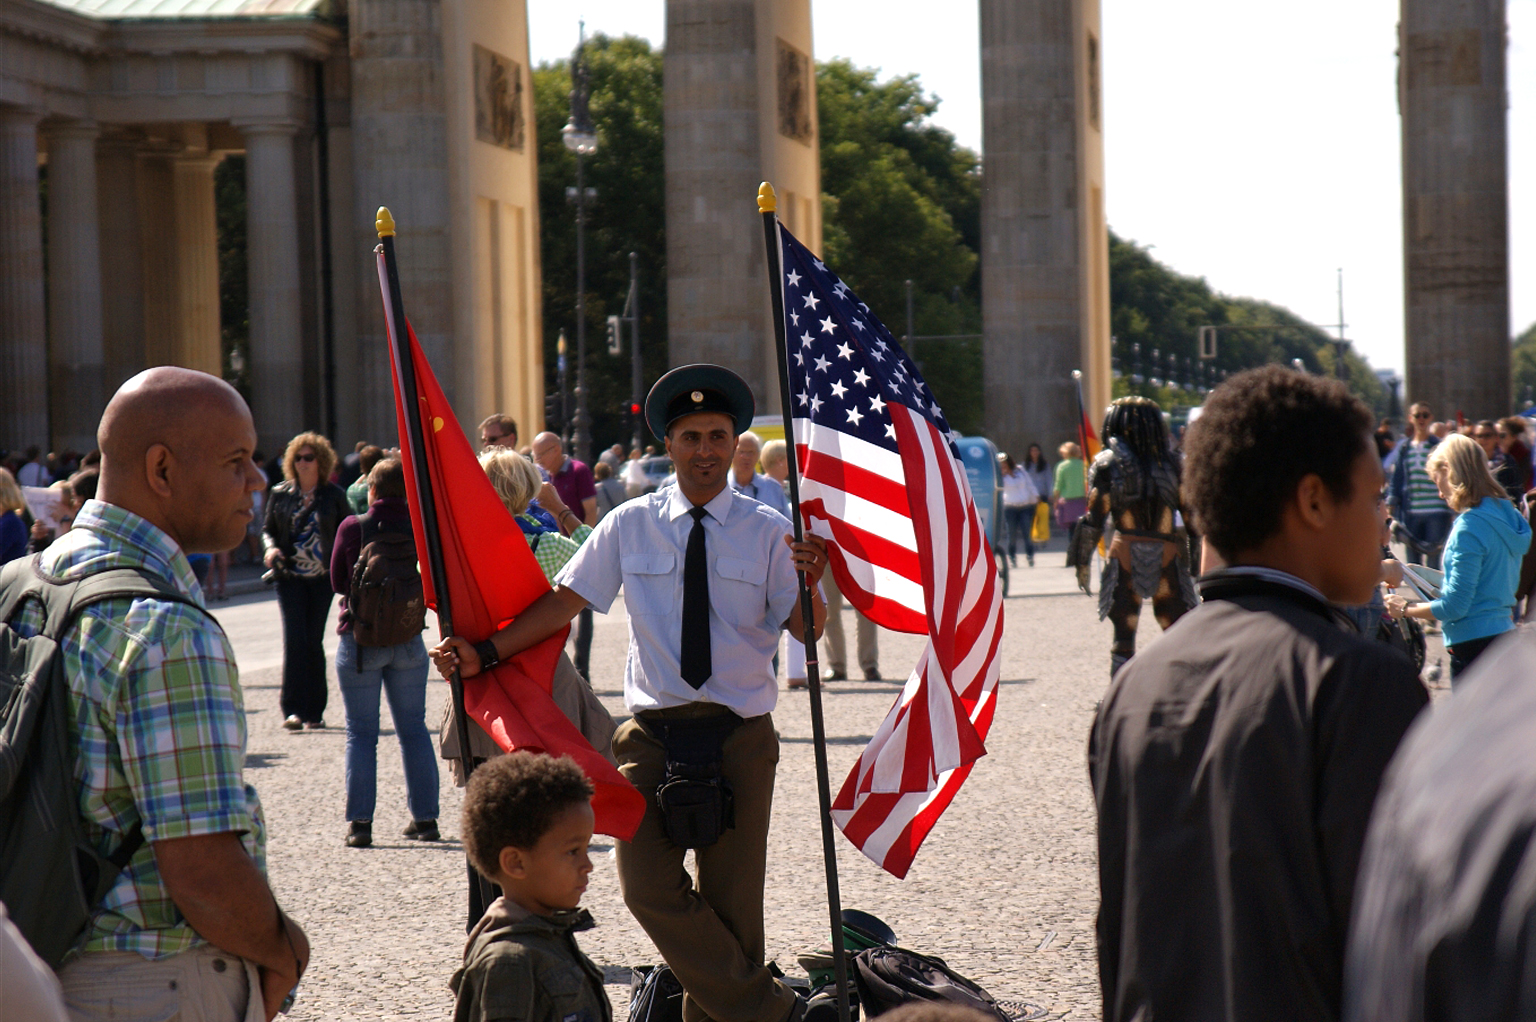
1134, 483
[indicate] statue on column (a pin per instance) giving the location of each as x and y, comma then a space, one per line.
1133, 489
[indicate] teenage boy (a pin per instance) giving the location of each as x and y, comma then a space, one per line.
1235, 761
527, 825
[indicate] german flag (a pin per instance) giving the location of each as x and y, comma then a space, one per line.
1087, 439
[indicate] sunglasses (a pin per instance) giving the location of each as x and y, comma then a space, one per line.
487, 441
305, 457
1421, 415
1486, 436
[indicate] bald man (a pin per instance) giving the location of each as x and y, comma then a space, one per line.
574, 482
191, 925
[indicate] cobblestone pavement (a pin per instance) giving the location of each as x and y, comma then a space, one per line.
1005, 888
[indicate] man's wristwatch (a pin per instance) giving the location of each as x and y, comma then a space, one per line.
486, 651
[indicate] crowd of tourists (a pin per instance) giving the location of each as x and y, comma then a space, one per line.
1284, 830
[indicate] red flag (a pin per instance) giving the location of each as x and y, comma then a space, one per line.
1087, 439
881, 476
491, 577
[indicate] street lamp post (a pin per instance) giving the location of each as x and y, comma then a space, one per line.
580, 138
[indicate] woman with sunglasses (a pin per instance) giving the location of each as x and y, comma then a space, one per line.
303, 513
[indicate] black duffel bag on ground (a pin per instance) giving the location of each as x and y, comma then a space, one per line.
887, 977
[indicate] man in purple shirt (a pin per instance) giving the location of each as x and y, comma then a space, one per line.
573, 480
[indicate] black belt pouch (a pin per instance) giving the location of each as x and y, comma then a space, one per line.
695, 801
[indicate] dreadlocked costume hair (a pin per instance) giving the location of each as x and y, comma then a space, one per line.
1134, 484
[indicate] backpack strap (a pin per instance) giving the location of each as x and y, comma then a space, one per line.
63, 602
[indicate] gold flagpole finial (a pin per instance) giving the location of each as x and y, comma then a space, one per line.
767, 201
384, 222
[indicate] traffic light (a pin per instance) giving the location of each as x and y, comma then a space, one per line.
615, 336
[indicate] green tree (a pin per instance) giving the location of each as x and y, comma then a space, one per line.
234, 298
902, 201
627, 215
1154, 309
1523, 366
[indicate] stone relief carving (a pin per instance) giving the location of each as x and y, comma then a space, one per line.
794, 74
498, 99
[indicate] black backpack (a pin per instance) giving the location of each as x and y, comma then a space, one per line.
386, 603
887, 977
51, 876
655, 995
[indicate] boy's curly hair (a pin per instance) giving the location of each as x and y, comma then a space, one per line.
513, 800
1260, 434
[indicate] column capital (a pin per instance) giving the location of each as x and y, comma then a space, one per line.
85, 131
265, 126
21, 115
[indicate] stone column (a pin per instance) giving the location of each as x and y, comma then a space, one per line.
23, 346
272, 254
715, 281
1044, 286
157, 238
122, 267
1455, 205
197, 264
75, 353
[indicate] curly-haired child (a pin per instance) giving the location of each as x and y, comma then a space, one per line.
527, 825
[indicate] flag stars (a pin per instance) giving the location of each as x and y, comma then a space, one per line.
859, 325
806, 340
890, 431
877, 404
793, 278
811, 301
838, 388
822, 363
794, 319
816, 403
828, 325
844, 352
799, 358
805, 398
855, 416
861, 378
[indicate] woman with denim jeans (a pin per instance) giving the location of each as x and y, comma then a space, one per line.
399, 670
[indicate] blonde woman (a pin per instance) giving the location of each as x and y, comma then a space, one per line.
1482, 554
1071, 494
517, 483
13, 529
299, 532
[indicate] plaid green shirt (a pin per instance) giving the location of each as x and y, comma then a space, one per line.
553, 549
160, 723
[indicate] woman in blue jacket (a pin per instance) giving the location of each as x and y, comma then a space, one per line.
1482, 554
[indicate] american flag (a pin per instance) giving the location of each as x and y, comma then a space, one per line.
881, 477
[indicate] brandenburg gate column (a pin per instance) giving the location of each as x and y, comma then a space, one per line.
23, 346
272, 251
197, 263
75, 353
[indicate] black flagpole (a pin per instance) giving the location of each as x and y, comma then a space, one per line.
416, 442
767, 204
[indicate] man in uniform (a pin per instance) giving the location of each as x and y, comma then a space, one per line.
709, 582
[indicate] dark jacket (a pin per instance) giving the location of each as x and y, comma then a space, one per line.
330, 508
520, 967
1234, 764
1445, 911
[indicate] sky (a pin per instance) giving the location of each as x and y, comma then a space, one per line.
1256, 146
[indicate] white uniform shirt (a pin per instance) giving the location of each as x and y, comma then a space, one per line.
641, 545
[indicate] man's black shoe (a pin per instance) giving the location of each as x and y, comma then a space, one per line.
873, 674
360, 834
834, 674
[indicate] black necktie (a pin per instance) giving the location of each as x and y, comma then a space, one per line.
694, 659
